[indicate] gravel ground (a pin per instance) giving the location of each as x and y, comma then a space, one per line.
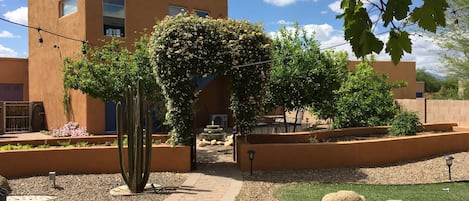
92, 186
262, 184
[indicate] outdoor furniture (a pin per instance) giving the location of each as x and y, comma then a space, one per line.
274, 119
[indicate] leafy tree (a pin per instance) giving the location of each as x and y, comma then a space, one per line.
432, 84
395, 14
336, 61
454, 40
450, 89
365, 99
301, 76
106, 71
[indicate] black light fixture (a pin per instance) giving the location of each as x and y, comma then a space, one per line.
449, 162
40, 36
251, 158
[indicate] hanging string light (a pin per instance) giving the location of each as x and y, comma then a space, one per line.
39, 30
41, 40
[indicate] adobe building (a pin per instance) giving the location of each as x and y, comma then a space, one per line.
14, 79
93, 21
403, 71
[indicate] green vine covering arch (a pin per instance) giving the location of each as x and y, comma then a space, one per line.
185, 46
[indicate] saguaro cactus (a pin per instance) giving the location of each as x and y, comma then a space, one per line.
130, 120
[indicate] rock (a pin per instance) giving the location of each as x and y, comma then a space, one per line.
343, 196
203, 143
229, 143
213, 142
220, 143
229, 137
4, 184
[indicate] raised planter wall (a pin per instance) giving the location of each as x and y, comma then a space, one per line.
97, 139
366, 153
302, 137
86, 160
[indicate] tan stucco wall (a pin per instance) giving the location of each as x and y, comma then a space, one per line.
214, 99
15, 71
46, 61
404, 71
86, 24
365, 153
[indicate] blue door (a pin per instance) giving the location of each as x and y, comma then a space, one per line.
110, 117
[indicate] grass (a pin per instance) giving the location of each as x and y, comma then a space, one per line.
418, 192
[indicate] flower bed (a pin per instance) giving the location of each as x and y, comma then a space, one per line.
85, 160
295, 151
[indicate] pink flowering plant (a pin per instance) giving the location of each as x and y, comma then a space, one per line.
70, 129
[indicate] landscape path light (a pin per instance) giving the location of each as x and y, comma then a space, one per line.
251, 158
52, 177
449, 162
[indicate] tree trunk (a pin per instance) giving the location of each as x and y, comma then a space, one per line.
285, 120
296, 118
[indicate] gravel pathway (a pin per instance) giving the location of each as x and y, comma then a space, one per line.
262, 184
92, 186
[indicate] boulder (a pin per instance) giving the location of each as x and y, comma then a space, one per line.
4, 184
229, 142
203, 143
213, 142
220, 143
343, 196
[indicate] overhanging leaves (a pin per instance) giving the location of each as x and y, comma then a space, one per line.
398, 42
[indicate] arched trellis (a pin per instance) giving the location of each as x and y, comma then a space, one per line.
185, 46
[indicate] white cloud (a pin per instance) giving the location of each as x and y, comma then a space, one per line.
321, 31
284, 22
7, 34
324, 12
7, 52
20, 15
280, 2
335, 6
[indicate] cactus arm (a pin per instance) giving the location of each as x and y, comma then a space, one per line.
148, 148
120, 144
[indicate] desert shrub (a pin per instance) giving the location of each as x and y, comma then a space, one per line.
405, 123
70, 129
365, 99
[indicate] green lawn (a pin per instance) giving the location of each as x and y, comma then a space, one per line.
421, 192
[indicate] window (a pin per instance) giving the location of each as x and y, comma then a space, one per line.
68, 7
114, 18
201, 13
174, 10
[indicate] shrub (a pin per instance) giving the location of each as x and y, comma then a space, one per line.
405, 123
71, 129
365, 99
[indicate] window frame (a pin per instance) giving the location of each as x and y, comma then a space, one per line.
62, 7
181, 8
123, 28
198, 10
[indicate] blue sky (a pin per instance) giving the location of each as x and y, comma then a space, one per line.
316, 16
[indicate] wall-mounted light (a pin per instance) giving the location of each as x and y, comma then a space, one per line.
52, 177
449, 162
251, 158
